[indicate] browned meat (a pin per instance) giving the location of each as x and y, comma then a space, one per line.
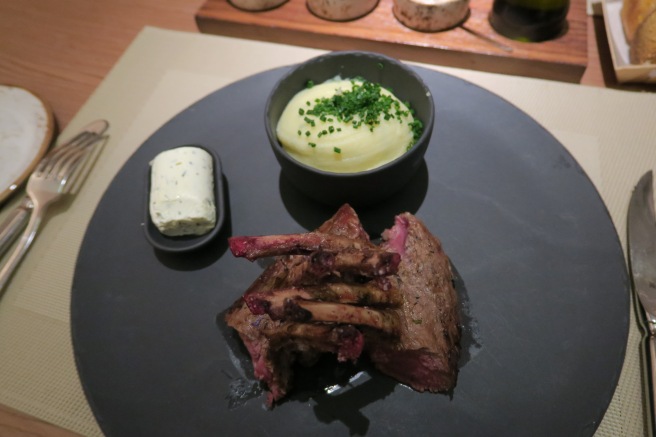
346, 223
253, 248
328, 254
373, 293
354, 263
308, 311
275, 345
425, 356
328, 287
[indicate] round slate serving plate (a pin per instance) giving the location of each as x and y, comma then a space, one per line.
541, 277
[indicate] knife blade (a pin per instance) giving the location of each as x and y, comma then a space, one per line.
641, 229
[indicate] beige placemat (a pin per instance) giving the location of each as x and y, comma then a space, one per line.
610, 133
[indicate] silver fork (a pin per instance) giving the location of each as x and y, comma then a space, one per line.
17, 219
52, 177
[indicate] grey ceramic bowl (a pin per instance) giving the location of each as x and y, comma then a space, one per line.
366, 187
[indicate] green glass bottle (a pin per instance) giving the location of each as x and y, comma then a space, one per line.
530, 20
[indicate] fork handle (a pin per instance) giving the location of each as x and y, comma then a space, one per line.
21, 248
14, 224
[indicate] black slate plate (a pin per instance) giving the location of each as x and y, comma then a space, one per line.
540, 272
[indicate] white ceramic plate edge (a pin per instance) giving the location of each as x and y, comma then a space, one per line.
18, 102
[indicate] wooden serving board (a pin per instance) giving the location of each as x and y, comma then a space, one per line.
474, 45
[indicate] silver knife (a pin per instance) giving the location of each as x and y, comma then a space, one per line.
642, 260
17, 219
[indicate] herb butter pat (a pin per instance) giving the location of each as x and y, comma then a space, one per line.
347, 126
182, 192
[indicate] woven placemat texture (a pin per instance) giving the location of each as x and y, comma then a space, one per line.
609, 132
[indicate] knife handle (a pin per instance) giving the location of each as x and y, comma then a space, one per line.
23, 245
14, 224
652, 376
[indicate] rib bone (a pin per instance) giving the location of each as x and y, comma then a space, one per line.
253, 248
309, 311
357, 294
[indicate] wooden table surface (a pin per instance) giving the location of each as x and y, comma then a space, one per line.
62, 50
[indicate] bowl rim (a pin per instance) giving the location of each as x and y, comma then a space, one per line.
423, 139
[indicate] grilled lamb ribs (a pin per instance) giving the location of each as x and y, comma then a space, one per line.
334, 291
276, 345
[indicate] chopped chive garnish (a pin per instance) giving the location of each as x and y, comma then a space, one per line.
337, 150
364, 104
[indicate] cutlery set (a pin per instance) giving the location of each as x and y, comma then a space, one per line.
56, 175
642, 261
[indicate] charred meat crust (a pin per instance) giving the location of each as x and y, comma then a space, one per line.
334, 291
328, 254
425, 354
275, 345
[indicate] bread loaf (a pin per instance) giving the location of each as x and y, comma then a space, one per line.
639, 23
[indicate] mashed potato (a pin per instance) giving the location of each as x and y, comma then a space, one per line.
346, 126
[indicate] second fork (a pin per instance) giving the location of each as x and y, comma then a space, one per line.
54, 176
17, 219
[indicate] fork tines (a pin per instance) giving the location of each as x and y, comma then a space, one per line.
80, 141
